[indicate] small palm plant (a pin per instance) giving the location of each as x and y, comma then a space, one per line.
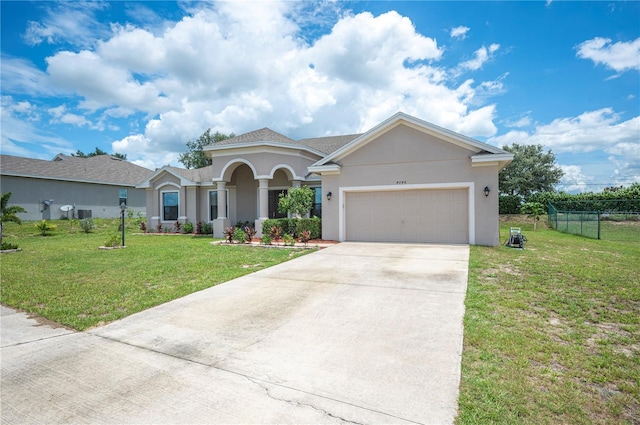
9, 214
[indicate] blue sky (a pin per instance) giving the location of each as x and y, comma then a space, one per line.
143, 78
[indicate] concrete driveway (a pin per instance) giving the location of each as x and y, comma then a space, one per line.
355, 333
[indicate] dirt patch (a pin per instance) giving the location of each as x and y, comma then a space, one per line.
41, 321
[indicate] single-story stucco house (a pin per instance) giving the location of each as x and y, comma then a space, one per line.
405, 180
94, 186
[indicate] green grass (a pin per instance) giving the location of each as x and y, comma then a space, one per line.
65, 278
552, 333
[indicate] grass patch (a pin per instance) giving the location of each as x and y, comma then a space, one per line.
65, 278
552, 333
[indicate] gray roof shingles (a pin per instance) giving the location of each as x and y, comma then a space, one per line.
103, 169
325, 145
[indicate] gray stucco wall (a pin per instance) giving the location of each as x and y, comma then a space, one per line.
101, 199
404, 155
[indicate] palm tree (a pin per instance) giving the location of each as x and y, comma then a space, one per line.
9, 213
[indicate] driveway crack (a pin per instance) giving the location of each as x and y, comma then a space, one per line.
298, 403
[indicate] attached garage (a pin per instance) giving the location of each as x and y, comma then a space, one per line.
399, 214
407, 180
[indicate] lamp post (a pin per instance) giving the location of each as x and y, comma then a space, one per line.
123, 207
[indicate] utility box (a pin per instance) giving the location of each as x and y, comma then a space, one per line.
84, 214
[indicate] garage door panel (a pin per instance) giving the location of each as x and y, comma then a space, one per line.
420, 215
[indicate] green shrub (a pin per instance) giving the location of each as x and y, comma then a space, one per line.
87, 225
265, 240
238, 235
294, 226
7, 245
509, 204
187, 227
288, 240
45, 227
114, 240
207, 229
313, 225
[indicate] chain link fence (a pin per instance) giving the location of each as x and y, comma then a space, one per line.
585, 218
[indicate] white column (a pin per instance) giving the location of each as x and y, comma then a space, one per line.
263, 205
221, 222
222, 200
263, 201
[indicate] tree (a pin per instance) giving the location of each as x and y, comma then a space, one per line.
97, 152
533, 210
195, 157
9, 214
531, 171
297, 201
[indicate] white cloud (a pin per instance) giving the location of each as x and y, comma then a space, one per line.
600, 130
459, 32
621, 56
481, 56
574, 180
237, 66
21, 76
71, 22
21, 130
593, 130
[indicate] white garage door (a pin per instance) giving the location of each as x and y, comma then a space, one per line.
421, 215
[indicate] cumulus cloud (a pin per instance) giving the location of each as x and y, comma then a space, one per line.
621, 56
574, 180
592, 130
600, 130
459, 32
238, 66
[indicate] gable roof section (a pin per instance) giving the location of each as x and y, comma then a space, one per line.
485, 154
187, 176
101, 169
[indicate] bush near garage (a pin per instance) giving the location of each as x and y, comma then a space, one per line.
294, 226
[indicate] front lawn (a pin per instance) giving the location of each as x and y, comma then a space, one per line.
65, 278
552, 333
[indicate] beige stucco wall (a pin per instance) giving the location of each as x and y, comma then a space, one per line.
405, 156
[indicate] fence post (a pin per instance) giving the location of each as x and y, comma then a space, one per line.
598, 225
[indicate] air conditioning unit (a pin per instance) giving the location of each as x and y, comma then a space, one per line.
84, 214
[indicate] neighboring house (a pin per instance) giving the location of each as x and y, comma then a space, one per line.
94, 186
405, 180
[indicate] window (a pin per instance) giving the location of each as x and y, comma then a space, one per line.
316, 208
122, 195
170, 206
213, 204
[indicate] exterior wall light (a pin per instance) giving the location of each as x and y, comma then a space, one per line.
329, 194
486, 191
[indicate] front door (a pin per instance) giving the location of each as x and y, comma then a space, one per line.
274, 197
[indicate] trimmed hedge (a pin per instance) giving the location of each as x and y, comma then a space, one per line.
294, 226
509, 204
